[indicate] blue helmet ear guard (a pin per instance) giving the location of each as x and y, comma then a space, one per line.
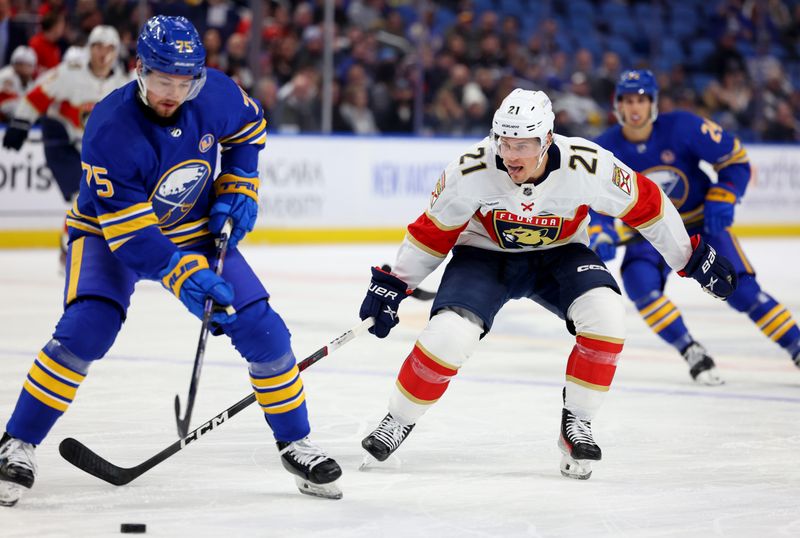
637, 82
171, 45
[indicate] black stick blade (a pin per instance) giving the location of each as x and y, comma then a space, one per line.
84, 459
182, 423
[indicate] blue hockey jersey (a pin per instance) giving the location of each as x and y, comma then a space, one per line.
670, 157
147, 184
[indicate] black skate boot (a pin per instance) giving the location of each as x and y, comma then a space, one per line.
578, 446
17, 469
701, 366
385, 439
315, 472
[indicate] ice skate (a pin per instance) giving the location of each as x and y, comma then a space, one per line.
384, 440
17, 469
315, 472
701, 366
578, 446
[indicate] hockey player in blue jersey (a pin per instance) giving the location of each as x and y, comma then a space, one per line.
668, 149
149, 208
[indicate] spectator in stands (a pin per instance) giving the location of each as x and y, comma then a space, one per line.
12, 33
47, 42
585, 115
356, 112
299, 105
783, 128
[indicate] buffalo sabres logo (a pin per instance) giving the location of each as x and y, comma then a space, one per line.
178, 190
206, 142
514, 231
672, 181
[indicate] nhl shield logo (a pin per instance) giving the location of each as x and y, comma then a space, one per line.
206, 142
178, 190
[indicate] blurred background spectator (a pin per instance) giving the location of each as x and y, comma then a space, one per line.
441, 67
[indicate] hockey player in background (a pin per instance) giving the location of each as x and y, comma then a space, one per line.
15, 79
149, 208
514, 211
63, 98
668, 149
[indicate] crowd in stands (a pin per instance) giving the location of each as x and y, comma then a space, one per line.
734, 61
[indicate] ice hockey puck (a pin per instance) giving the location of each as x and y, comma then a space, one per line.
135, 528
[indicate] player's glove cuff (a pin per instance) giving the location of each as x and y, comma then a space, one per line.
181, 268
719, 193
237, 182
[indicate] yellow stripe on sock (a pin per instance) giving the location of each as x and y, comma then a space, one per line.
269, 398
660, 314
278, 380
646, 311
63, 371
777, 322
768, 316
52, 384
783, 329
672, 317
43, 397
285, 408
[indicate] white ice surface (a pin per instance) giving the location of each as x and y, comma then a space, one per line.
679, 459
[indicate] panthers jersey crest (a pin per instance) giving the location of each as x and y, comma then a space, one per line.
514, 231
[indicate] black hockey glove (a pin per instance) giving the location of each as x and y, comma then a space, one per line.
382, 301
16, 133
715, 273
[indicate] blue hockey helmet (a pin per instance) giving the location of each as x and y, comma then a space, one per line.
172, 45
638, 82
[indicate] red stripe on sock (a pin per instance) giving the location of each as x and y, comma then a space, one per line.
581, 366
422, 377
599, 345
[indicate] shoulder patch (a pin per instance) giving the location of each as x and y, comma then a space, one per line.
437, 190
621, 179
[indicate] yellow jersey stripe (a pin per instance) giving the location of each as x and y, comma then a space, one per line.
783, 329
660, 314
76, 257
108, 218
775, 323
271, 398
658, 303
669, 319
52, 384
285, 408
769, 315
130, 226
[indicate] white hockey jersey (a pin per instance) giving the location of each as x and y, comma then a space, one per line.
68, 93
11, 90
476, 203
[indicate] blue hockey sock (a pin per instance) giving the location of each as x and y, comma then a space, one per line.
665, 320
46, 393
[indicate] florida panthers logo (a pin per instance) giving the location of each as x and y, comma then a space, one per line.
672, 181
514, 231
179, 189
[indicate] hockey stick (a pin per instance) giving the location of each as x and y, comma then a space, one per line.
88, 461
417, 293
208, 307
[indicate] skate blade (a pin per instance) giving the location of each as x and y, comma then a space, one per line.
10, 493
576, 469
710, 378
368, 463
326, 491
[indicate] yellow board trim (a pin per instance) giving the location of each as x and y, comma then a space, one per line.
327, 236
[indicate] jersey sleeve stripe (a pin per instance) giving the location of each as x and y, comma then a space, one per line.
260, 128
130, 226
431, 236
647, 207
130, 211
241, 131
39, 99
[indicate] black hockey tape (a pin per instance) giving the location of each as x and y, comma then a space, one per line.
134, 528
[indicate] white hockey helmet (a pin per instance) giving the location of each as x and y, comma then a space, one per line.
104, 34
524, 114
24, 55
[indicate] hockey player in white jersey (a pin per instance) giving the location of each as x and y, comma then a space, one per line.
15, 79
513, 209
63, 98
